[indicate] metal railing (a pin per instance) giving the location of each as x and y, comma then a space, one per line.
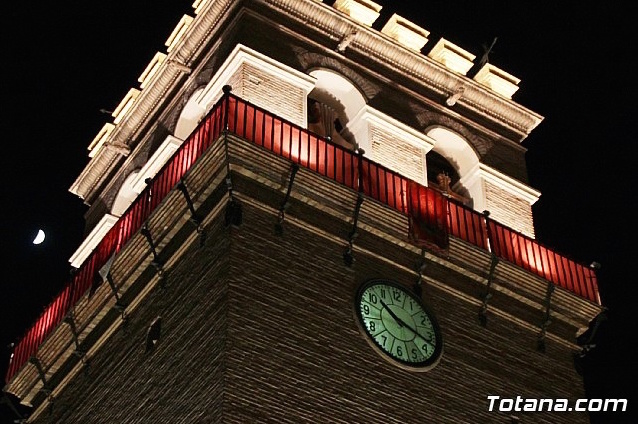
425, 205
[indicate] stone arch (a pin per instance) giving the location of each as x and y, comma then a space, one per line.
460, 155
333, 103
338, 91
310, 61
428, 119
454, 147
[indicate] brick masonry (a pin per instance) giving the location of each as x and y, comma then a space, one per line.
397, 154
259, 328
125, 384
275, 94
509, 210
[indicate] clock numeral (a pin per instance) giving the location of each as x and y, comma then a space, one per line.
426, 349
398, 323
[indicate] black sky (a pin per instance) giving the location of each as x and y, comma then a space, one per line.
64, 61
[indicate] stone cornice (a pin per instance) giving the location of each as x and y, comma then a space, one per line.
505, 182
170, 72
320, 18
434, 76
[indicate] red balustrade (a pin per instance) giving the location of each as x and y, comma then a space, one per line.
432, 216
527, 253
117, 237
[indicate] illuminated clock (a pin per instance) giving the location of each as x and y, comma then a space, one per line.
398, 324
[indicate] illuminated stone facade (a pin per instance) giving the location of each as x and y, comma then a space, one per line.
257, 319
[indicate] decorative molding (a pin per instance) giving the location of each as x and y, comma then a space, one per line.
363, 11
198, 5
428, 118
329, 23
310, 61
201, 29
421, 69
151, 69
452, 56
507, 183
370, 116
100, 139
178, 33
406, 33
497, 80
125, 105
242, 55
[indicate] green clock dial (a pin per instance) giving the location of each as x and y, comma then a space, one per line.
398, 324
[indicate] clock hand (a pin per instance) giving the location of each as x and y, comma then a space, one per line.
392, 314
403, 323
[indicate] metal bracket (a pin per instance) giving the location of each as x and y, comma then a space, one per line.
482, 315
195, 219
51, 400
279, 227
5, 399
420, 268
78, 351
119, 305
181, 186
234, 214
348, 259
149, 238
45, 385
547, 319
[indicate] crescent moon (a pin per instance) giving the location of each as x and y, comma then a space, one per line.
39, 238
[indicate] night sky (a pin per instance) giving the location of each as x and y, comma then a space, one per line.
65, 61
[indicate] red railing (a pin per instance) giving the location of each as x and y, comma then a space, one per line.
374, 180
527, 253
337, 163
123, 230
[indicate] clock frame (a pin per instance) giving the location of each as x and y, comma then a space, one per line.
398, 324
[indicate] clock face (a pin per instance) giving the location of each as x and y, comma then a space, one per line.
398, 324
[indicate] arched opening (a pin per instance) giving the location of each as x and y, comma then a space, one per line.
439, 166
332, 103
189, 116
449, 163
125, 196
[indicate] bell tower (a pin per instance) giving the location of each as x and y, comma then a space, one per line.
296, 217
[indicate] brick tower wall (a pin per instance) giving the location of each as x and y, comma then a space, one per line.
296, 353
261, 328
